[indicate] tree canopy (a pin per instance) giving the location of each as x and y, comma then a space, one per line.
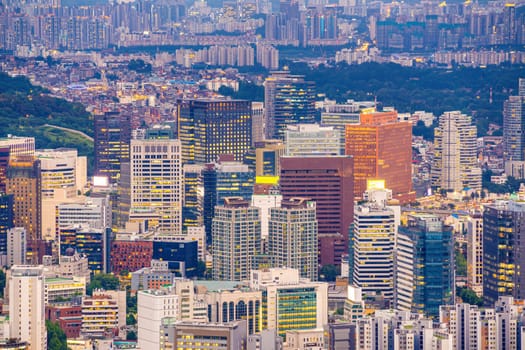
104, 281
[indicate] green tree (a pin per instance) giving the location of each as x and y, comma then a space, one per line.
461, 264
56, 338
103, 281
328, 273
470, 297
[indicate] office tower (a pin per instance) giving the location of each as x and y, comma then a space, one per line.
265, 158
6, 223
312, 140
455, 165
236, 237
16, 246
61, 169
92, 211
193, 196
24, 183
463, 323
192, 335
27, 306
104, 311
514, 128
502, 258
372, 245
211, 128
92, 242
290, 302
292, 237
257, 122
288, 100
424, 265
328, 181
112, 136
130, 253
13, 146
382, 149
475, 253
221, 180
156, 182
152, 307
181, 256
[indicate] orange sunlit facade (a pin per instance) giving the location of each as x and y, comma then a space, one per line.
382, 149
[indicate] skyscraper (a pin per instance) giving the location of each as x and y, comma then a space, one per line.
288, 99
455, 165
193, 196
514, 128
424, 265
475, 253
112, 136
156, 182
236, 235
24, 183
211, 128
6, 223
27, 305
292, 237
329, 182
12, 146
306, 140
221, 180
502, 246
382, 149
372, 245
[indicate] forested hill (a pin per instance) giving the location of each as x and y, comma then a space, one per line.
410, 89
25, 109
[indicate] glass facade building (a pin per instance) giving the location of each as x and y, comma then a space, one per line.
211, 128
503, 223
6, 220
288, 100
432, 264
94, 243
221, 180
112, 137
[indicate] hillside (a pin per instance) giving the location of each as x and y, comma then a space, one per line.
26, 109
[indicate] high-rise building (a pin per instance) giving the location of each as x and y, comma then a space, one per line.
257, 122
455, 164
236, 237
104, 311
193, 196
502, 257
6, 223
372, 245
12, 146
24, 183
16, 246
211, 128
288, 100
112, 136
265, 158
424, 265
475, 253
94, 243
93, 211
156, 182
328, 181
221, 180
290, 302
312, 140
62, 169
27, 305
152, 307
514, 128
464, 324
292, 237
382, 149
